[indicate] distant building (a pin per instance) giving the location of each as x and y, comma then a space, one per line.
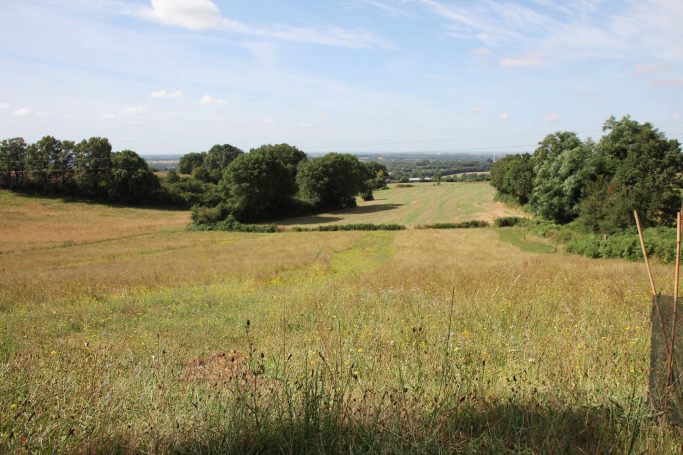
420, 179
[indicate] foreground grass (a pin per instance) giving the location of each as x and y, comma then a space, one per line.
422, 203
379, 342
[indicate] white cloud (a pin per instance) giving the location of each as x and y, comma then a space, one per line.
205, 15
4, 105
165, 94
482, 52
676, 116
270, 121
108, 116
23, 112
207, 100
652, 68
133, 110
552, 117
579, 29
478, 109
504, 116
191, 14
530, 60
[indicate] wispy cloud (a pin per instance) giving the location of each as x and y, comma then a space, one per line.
482, 52
652, 68
208, 100
132, 110
205, 15
529, 60
552, 117
23, 112
586, 28
165, 94
108, 116
4, 105
504, 116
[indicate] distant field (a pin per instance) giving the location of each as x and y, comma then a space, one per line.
29, 223
423, 203
126, 336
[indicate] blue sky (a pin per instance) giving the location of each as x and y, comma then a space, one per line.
175, 76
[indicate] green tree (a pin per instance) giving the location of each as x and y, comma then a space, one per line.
379, 175
190, 161
258, 185
512, 175
12, 162
40, 163
332, 181
289, 155
218, 158
131, 181
64, 164
561, 174
639, 169
93, 167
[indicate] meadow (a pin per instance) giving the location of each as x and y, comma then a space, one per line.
132, 335
419, 203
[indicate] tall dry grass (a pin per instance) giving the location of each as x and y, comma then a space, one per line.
381, 342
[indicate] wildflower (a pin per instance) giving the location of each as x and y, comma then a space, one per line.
360, 350
355, 374
53, 352
13, 406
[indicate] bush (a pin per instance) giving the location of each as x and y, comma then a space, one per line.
351, 227
660, 243
508, 221
460, 225
232, 225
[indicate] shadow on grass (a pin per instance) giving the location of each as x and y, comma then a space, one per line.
96, 202
331, 217
503, 428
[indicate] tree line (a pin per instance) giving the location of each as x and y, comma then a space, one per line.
597, 185
266, 183
275, 181
86, 169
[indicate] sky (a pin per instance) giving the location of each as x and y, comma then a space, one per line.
177, 76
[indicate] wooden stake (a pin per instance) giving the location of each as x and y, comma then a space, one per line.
647, 262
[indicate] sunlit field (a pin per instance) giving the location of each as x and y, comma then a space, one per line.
420, 203
134, 335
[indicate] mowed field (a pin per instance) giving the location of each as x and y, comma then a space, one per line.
421, 203
137, 337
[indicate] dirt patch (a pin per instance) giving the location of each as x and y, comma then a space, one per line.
225, 369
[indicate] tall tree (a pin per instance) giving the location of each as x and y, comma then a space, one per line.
258, 185
12, 162
561, 174
640, 170
332, 181
218, 158
131, 182
93, 161
190, 161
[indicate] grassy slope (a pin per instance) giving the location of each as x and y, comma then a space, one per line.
424, 203
352, 345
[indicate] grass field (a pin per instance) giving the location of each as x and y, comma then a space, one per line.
423, 203
134, 337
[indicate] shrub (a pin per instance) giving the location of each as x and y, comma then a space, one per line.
351, 227
460, 225
508, 221
232, 225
